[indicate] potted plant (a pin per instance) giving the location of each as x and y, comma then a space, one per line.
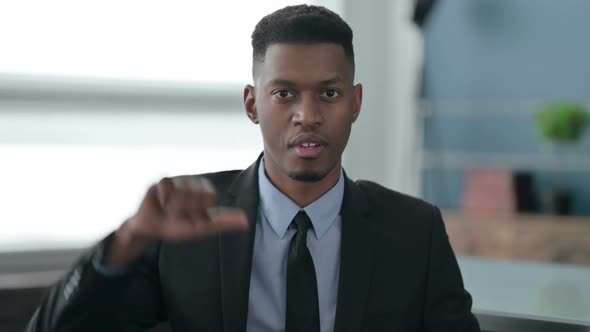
562, 125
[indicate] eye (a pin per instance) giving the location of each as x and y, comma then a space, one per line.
283, 94
331, 93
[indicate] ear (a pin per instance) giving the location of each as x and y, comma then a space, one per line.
358, 100
250, 103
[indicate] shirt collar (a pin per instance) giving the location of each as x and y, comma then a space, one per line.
280, 210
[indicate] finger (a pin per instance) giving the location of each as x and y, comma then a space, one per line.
207, 199
192, 196
191, 205
200, 183
224, 220
222, 213
178, 230
165, 189
230, 221
183, 229
151, 197
192, 183
180, 183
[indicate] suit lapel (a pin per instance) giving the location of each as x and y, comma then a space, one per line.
235, 251
356, 255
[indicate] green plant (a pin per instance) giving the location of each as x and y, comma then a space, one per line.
562, 122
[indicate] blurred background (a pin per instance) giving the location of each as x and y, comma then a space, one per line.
478, 106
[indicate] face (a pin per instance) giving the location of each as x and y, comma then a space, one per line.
305, 102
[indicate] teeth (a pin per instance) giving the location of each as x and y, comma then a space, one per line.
309, 145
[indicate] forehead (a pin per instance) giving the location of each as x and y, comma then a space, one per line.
305, 63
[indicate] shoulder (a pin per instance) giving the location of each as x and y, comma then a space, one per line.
383, 197
397, 209
221, 176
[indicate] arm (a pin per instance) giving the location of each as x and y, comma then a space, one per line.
87, 299
94, 296
448, 304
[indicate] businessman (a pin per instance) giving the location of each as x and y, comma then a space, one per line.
289, 244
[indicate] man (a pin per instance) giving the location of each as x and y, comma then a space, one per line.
289, 244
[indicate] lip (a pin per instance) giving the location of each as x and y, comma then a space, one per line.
308, 153
307, 138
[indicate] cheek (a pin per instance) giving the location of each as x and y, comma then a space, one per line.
343, 133
274, 123
272, 134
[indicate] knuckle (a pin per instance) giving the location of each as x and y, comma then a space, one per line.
192, 183
164, 183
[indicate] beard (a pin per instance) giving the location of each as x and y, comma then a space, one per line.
308, 176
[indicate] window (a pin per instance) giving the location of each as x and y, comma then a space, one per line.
100, 99
80, 175
182, 40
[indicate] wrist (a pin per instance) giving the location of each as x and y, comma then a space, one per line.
125, 246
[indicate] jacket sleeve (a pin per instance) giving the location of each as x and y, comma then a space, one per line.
448, 304
88, 299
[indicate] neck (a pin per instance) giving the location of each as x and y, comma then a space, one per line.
301, 192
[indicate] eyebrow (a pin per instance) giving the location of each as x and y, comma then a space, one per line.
334, 80
278, 81
283, 82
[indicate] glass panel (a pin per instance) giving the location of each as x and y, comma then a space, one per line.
68, 179
166, 40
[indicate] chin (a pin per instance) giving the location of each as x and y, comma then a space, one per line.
307, 176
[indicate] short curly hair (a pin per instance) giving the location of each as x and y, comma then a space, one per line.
304, 24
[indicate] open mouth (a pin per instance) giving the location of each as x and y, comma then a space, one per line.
308, 149
308, 145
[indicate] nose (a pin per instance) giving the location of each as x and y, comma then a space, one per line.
308, 112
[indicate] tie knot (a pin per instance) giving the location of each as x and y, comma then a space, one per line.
302, 222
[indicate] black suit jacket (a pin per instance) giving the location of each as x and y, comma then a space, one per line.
397, 273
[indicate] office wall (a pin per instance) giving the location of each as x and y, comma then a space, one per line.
490, 66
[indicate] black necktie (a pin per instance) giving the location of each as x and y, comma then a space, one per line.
303, 313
